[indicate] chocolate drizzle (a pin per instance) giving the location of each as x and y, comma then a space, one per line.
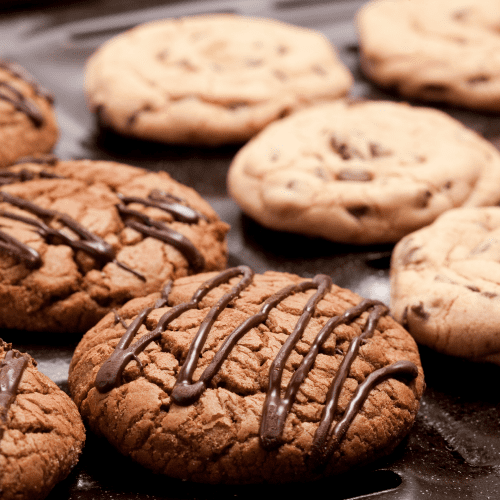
276, 408
159, 230
11, 371
10, 94
24, 175
88, 242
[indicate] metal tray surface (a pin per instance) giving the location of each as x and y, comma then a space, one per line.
454, 447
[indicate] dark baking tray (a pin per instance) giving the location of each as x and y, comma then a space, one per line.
454, 448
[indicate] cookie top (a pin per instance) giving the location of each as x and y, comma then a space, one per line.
240, 378
210, 79
444, 51
445, 283
41, 431
78, 238
27, 120
362, 172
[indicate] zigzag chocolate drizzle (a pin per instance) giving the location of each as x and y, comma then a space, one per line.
11, 371
89, 242
19, 101
24, 175
276, 408
159, 230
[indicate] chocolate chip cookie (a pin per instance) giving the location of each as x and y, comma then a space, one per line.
362, 172
41, 431
210, 79
233, 377
27, 120
445, 51
445, 283
79, 238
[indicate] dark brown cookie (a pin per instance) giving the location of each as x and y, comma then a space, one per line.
294, 379
41, 432
79, 238
27, 120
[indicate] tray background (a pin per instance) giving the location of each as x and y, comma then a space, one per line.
454, 448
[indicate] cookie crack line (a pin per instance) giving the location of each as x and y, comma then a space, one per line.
275, 410
87, 241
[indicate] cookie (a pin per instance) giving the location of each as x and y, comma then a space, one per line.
362, 172
210, 79
444, 285
41, 431
27, 120
437, 51
79, 238
243, 378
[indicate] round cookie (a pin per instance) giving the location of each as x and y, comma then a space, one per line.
445, 284
27, 120
41, 431
79, 238
210, 79
362, 172
445, 51
243, 378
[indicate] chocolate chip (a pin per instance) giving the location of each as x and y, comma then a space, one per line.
358, 211
435, 88
419, 311
448, 185
422, 200
472, 288
478, 79
354, 174
343, 149
404, 318
377, 150
237, 105
490, 295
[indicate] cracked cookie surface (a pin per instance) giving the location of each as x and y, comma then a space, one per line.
206, 410
362, 172
78, 238
444, 51
210, 79
445, 284
27, 120
41, 431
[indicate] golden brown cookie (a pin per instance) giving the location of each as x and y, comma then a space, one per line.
445, 51
445, 284
210, 79
27, 120
41, 432
362, 172
241, 378
79, 238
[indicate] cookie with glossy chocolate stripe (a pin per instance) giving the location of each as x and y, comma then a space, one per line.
445, 284
210, 79
243, 378
442, 51
363, 172
27, 119
79, 238
41, 431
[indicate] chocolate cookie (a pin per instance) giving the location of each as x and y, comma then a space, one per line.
362, 172
41, 432
443, 51
79, 238
210, 79
445, 284
240, 378
27, 121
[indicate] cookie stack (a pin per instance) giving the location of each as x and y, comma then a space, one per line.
222, 375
